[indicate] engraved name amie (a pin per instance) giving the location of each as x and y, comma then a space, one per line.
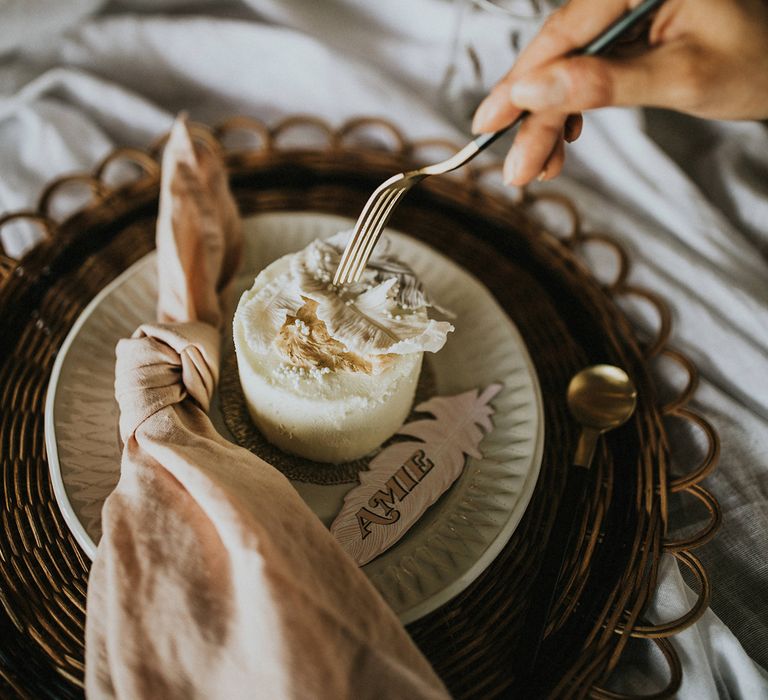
396, 489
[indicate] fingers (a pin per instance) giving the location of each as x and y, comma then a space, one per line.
495, 111
552, 87
573, 127
553, 167
539, 148
570, 27
661, 77
539, 137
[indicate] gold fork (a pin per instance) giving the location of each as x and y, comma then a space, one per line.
385, 198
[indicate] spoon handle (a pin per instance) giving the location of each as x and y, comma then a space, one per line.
545, 584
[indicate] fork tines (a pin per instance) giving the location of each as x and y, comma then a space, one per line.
368, 229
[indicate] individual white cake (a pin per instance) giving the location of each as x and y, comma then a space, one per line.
330, 373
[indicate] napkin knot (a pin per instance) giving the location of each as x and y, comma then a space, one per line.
161, 365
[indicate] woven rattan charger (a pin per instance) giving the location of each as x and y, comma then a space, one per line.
567, 318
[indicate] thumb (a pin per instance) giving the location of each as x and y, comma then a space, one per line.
664, 76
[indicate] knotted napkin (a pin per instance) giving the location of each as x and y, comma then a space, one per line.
213, 579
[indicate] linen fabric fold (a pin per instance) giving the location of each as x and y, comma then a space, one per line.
686, 197
213, 578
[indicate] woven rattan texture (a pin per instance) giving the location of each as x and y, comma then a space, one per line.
566, 317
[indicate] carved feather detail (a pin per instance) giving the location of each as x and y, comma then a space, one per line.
407, 477
366, 317
265, 312
369, 318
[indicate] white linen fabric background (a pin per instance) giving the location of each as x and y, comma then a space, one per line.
689, 199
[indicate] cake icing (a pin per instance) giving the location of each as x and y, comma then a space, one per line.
328, 372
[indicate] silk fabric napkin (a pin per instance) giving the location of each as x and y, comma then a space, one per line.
213, 579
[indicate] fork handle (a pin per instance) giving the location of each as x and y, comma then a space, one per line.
484, 140
621, 26
598, 45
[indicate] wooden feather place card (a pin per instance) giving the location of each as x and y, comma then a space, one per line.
407, 477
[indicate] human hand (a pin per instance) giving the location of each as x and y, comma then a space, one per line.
708, 58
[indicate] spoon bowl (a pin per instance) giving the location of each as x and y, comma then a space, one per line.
601, 397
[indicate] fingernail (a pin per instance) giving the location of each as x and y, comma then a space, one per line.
538, 94
487, 110
512, 165
542, 175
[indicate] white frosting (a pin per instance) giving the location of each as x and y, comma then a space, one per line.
324, 414
373, 317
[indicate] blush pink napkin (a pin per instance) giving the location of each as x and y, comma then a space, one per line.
213, 579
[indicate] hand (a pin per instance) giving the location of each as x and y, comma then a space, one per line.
708, 58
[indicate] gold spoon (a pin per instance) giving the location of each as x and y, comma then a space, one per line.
600, 398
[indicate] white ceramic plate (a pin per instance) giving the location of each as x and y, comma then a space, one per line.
456, 538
